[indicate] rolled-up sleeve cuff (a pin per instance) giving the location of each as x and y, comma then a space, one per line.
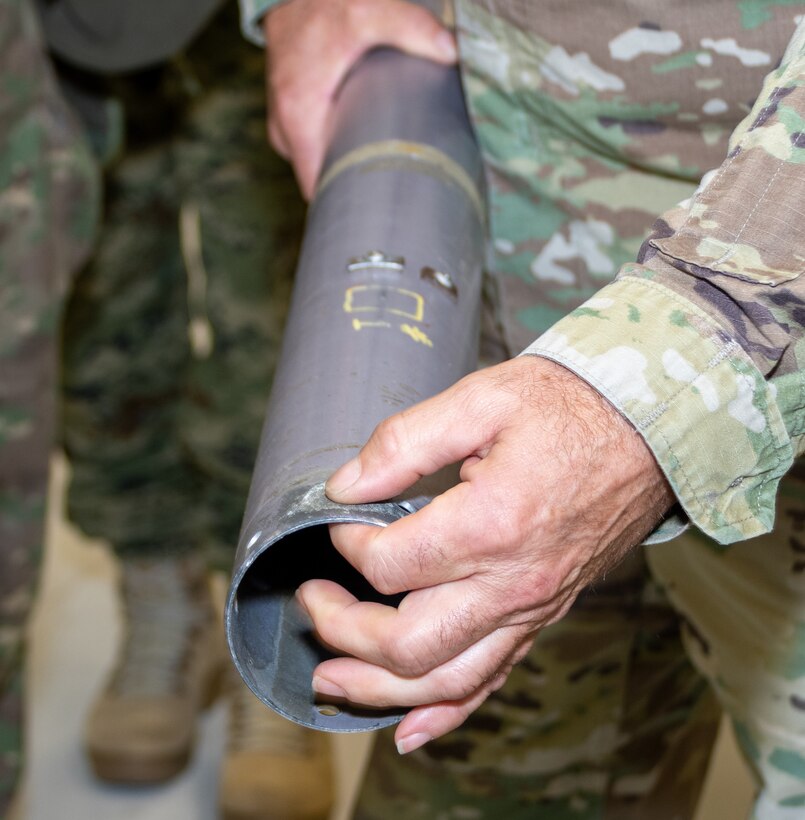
251, 19
702, 406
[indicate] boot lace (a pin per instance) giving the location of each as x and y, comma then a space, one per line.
162, 614
255, 727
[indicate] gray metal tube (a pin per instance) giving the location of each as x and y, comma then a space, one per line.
385, 313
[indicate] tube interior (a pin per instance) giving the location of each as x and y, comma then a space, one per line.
271, 638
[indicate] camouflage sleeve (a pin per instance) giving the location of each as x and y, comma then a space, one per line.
251, 15
700, 344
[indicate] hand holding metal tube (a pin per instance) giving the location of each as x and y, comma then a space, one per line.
385, 312
556, 487
312, 44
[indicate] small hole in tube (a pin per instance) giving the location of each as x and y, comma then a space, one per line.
328, 710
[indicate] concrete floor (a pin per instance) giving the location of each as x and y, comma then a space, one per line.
75, 631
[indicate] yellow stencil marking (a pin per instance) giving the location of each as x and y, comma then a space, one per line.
414, 309
416, 334
358, 324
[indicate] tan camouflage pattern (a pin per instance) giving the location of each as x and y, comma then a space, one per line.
48, 209
594, 118
589, 132
737, 241
603, 719
744, 611
683, 392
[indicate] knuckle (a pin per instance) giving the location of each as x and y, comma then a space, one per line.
471, 390
457, 626
358, 15
455, 685
479, 400
403, 656
546, 585
392, 437
384, 574
508, 529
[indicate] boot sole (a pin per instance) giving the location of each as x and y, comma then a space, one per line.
141, 772
116, 768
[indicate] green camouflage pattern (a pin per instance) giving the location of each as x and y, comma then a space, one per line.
588, 131
684, 340
744, 620
163, 406
684, 392
604, 718
172, 332
48, 210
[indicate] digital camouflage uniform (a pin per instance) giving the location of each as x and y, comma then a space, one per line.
172, 331
594, 118
48, 209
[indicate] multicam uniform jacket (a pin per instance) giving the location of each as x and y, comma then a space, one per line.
592, 122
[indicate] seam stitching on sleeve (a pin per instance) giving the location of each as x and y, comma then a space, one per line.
723, 352
679, 470
761, 199
729, 161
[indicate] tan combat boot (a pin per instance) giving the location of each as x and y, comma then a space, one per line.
273, 768
142, 727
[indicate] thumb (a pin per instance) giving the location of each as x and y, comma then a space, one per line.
412, 29
409, 445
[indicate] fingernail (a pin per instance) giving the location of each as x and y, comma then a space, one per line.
412, 742
325, 687
446, 43
300, 601
344, 477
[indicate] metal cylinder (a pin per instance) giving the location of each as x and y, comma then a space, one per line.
385, 313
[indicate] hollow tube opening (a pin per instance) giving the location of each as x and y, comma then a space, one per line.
271, 636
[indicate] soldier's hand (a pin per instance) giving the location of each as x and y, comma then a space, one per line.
556, 487
312, 44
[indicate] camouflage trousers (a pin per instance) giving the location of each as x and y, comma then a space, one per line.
173, 329
743, 610
593, 119
605, 719
48, 209
171, 338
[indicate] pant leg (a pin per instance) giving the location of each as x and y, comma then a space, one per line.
604, 719
48, 209
126, 356
242, 219
173, 333
744, 611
